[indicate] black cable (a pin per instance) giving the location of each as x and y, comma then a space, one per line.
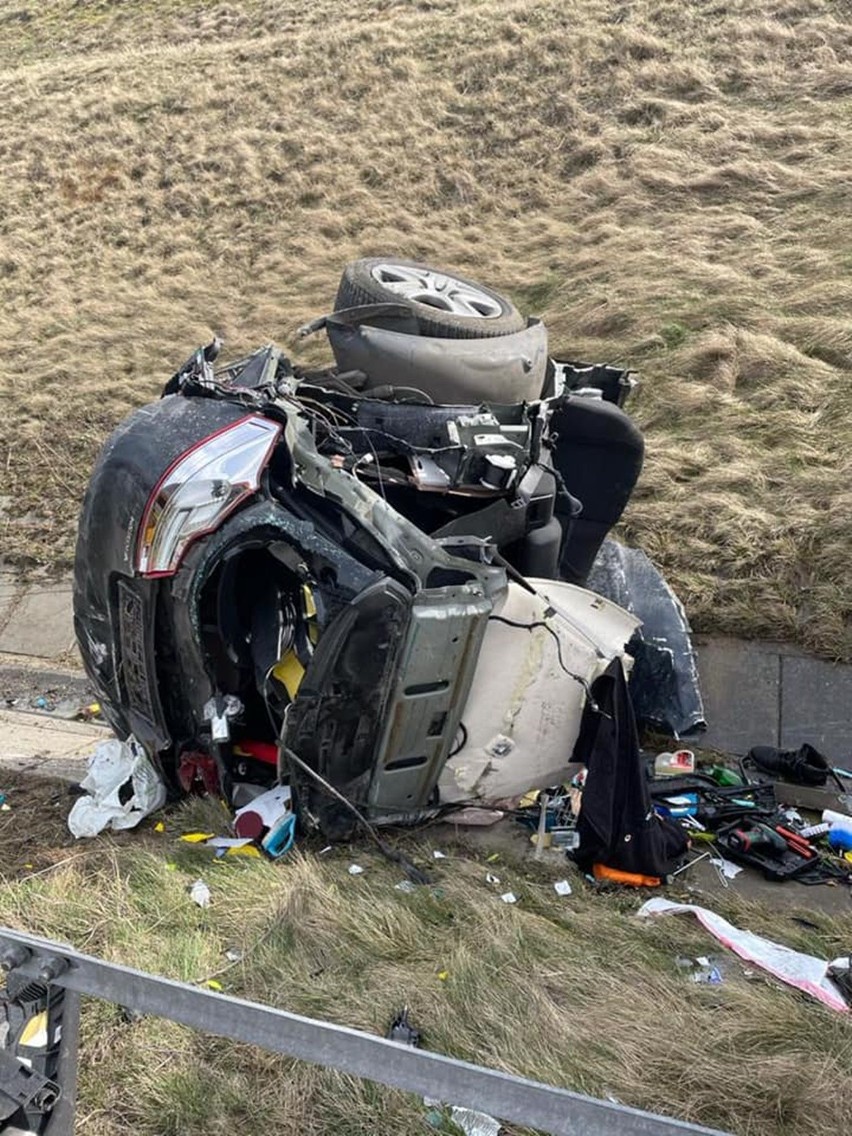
414, 873
463, 730
577, 678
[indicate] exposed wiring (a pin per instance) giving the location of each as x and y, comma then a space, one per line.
460, 746
414, 873
577, 678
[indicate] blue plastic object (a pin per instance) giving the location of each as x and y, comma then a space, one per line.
840, 839
280, 839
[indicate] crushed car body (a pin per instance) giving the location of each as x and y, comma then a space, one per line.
365, 579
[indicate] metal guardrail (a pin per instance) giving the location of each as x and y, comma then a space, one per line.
530, 1103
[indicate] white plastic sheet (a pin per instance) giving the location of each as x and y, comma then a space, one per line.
122, 787
805, 972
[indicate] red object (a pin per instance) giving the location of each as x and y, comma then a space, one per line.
198, 772
261, 751
249, 824
797, 843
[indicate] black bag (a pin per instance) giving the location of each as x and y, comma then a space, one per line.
617, 824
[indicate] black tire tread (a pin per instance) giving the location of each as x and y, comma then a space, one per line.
443, 325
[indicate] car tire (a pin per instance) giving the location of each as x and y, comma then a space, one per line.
445, 304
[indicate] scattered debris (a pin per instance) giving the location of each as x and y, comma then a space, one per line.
509, 897
436, 855
475, 1123
490, 878
562, 887
805, 972
403, 1031
122, 787
406, 886
729, 871
676, 764
200, 893
356, 870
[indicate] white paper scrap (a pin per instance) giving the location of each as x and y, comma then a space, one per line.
729, 870
200, 893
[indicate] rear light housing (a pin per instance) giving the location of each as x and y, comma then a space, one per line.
199, 490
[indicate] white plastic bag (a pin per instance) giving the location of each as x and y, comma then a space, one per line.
115, 764
805, 972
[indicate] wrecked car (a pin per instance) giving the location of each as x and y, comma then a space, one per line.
365, 578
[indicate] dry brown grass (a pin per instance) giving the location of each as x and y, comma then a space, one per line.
575, 991
665, 181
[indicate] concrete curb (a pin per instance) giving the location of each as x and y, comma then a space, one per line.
36, 619
48, 747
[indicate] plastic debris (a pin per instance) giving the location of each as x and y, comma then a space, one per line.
264, 812
233, 955
356, 870
403, 1031
509, 897
122, 787
475, 1123
159, 827
443, 975
708, 976
405, 885
562, 887
196, 837
490, 878
200, 893
804, 972
212, 984
436, 855
87, 713
281, 836
729, 871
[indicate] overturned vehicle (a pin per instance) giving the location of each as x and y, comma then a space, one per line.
367, 579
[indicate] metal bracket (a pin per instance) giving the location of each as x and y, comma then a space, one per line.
21, 1087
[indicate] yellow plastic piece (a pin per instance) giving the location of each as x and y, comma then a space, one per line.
289, 672
196, 837
34, 1033
159, 827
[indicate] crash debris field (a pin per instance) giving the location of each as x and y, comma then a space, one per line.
664, 182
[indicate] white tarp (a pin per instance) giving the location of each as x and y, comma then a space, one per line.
122, 787
805, 972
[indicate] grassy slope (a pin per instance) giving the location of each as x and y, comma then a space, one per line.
572, 991
664, 181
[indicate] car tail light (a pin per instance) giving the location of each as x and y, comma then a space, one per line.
200, 489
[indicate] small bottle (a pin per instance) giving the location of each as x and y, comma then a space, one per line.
724, 776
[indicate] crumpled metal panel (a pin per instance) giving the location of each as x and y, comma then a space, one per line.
503, 369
